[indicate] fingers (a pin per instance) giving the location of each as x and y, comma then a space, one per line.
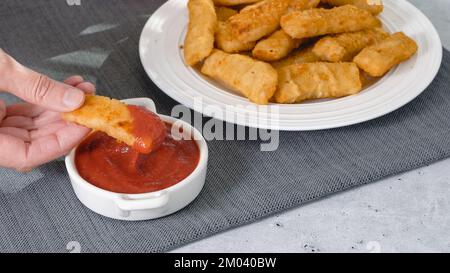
46, 118
18, 122
74, 80
87, 87
36, 132
16, 132
41, 150
2, 110
31, 110
78, 82
30, 123
24, 109
47, 129
50, 94
33, 132
50, 147
11, 145
38, 89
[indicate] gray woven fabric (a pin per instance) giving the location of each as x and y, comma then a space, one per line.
99, 39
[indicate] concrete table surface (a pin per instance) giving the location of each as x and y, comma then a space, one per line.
405, 213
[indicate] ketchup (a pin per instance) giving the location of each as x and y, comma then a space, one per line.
148, 129
114, 166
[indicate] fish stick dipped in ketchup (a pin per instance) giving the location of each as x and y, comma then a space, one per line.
134, 125
132, 150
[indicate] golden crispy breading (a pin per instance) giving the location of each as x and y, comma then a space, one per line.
227, 42
316, 22
301, 82
121, 122
379, 58
304, 55
275, 47
224, 13
258, 20
373, 6
345, 46
199, 40
234, 2
297, 5
106, 115
254, 79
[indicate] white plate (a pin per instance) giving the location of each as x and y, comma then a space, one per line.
161, 56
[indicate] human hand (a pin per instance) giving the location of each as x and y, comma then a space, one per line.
33, 133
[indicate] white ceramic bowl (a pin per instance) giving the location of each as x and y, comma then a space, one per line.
134, 207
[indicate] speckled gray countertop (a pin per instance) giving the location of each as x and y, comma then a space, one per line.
406, 213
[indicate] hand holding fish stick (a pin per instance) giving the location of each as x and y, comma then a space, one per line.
120, 121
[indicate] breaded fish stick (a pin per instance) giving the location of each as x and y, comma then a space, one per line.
226, 41
304, 55
275, 47
345, 46
373, 6
297, 5
118, 121
254, 79
258, 20
234, 2
316, 22
224, 13
302, 82
199, 40
379, 58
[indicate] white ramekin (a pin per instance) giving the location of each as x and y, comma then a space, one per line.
135, 207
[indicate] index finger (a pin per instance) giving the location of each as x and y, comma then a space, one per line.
24, 109
50, 147
2, 110
41, 150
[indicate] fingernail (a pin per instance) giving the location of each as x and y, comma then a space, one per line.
73, 98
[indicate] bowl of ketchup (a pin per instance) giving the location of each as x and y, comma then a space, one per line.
116, 181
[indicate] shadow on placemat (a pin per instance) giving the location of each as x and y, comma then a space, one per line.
39, 211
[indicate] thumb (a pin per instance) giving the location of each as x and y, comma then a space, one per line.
38, 89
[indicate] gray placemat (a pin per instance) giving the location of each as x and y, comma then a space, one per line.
99, 39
